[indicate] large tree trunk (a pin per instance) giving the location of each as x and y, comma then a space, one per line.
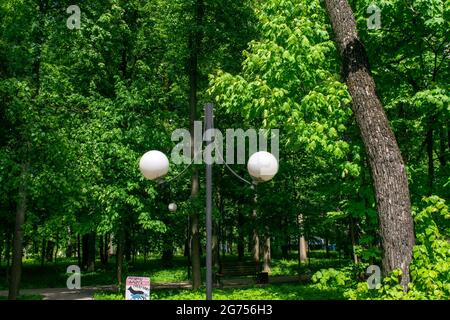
195, 39
16, 268
388, 170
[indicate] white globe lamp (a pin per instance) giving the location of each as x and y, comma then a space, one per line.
173, 207
154, 165
262, 166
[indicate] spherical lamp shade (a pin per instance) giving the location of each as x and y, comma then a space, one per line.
173, 207
154, 164
262, 166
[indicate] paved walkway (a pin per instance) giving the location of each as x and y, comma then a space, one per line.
87, 293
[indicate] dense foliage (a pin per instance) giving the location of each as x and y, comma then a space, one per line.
78, 107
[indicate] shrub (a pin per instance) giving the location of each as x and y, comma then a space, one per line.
430, 267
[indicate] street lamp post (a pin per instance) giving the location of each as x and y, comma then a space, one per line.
262, 166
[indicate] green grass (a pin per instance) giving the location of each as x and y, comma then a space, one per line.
53, 275
267, 292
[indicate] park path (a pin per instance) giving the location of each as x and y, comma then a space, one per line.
86, 293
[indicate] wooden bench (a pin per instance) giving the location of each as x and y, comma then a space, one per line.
236, 269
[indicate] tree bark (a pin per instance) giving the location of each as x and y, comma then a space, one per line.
388, 170
303, 256
266, 256
91, 252
8, 256
255, 250
16, 268
215, 247
79, 250
302, 252
353, 240
119, 256
44, 244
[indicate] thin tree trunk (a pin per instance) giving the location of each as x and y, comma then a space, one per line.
101, 249
215, 247
49, 251
8, 257
1, 251
388, 170
91, 252
303, 256
167, 252
352, 238
44, 244
105, 248
240, 244
442, 147
16, 268
84, 250
187, 247
69, 249
79, 250
195, 249
195, 39
448, 136
119, 257
127, 246
255, 236
266, 263
56, 248
429, 143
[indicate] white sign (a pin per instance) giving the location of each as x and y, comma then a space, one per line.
137, 288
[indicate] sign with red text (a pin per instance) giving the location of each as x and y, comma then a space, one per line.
137, 288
